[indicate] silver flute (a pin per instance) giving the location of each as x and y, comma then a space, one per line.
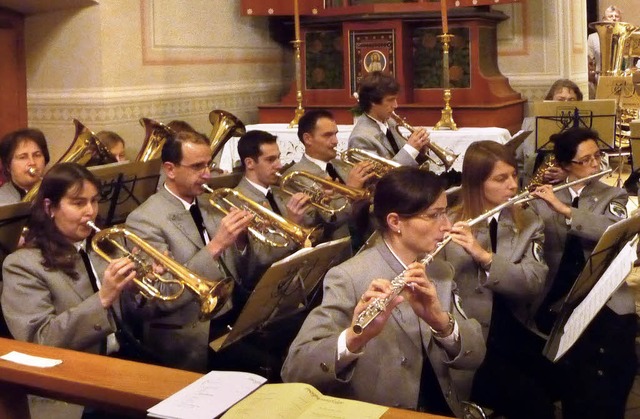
378, 305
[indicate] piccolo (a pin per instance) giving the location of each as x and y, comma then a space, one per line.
378, 305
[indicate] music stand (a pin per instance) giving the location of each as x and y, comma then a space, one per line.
283, 290
619, 88
553, 117
124, 186
634, 142
13, 218
607, 267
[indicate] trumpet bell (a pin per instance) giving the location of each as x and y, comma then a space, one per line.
614, 45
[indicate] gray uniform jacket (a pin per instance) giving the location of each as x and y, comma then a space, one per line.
9, 194
172, 328
50, 308
518, 271
389, 370
599, 207
367, 135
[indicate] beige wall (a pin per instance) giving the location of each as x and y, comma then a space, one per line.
109, 65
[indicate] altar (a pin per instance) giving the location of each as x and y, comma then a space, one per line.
291, 148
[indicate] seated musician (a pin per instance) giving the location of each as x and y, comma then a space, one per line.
404, 356
260, 159
317, 131
194, 234
499, 273
114, 143
375, 130
56, 292
24, 154
597, 373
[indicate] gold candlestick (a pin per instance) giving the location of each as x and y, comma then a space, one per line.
296, 46
446, 120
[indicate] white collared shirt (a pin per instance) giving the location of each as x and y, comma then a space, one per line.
261, 188
187, 206
384, 127
322, 164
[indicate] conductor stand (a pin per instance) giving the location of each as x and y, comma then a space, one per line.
269, 321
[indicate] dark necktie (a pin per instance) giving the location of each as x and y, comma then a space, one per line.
87, 266
197, 219
273, 203
21, 191
392, 141
493, 234
333, 173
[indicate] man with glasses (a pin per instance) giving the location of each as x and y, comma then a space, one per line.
176, 221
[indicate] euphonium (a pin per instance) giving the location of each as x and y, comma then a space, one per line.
267, 227
225, 125
378, 305
613, 37
446, 157
156, 134
212, 295
381, 166
314, 186
84, 147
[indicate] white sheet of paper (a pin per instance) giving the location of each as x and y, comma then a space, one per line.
30, 360
208, 396
584, 313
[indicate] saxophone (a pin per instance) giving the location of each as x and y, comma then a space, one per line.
538, 177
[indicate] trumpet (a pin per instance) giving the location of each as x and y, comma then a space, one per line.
378, 305
267, 226
446, 157
212, 295
381, 166
294, 182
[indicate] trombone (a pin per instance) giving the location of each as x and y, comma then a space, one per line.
378, 305
212, 295
267, 227
312, 185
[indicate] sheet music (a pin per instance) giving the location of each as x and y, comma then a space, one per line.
30, 360
208, 397
584, 313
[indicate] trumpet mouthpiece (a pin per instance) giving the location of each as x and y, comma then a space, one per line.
32, 171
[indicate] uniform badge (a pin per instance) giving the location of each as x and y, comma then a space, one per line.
617, 209
538, 252
457, 302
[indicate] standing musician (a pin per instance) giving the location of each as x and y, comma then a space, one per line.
598, 371
499, 272
375, 130
317, 131
24, 154
56, 292
404, 357
176, 220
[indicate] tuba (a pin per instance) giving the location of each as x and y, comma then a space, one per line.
446, 157
225, 125
314, 186
614, 45
212, 295
267, 227
156, 134
381, 166
84, 148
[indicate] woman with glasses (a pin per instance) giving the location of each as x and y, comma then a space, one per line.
499, 273
405, 356
597, 372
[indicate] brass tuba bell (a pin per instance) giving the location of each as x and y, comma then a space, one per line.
156, 134
614, 45
225, 125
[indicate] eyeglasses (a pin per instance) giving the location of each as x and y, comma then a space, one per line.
197, 167
588, 159
433, 216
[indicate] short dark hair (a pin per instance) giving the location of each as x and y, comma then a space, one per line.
374, 88
172, 148
559, 85
405, 191
179, 125
10, 142
308, 121
565, 143
109, 138
58, 253
249, 144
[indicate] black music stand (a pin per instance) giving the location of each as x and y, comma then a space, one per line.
589, 293
13, 218
124, 186
285, 289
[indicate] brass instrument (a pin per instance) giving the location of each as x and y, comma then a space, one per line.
314, 186
212, 295
614, 45
378, 305
381, 166
225, 125
538, 177
84, 148
156, 134
267, 227
446, 157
